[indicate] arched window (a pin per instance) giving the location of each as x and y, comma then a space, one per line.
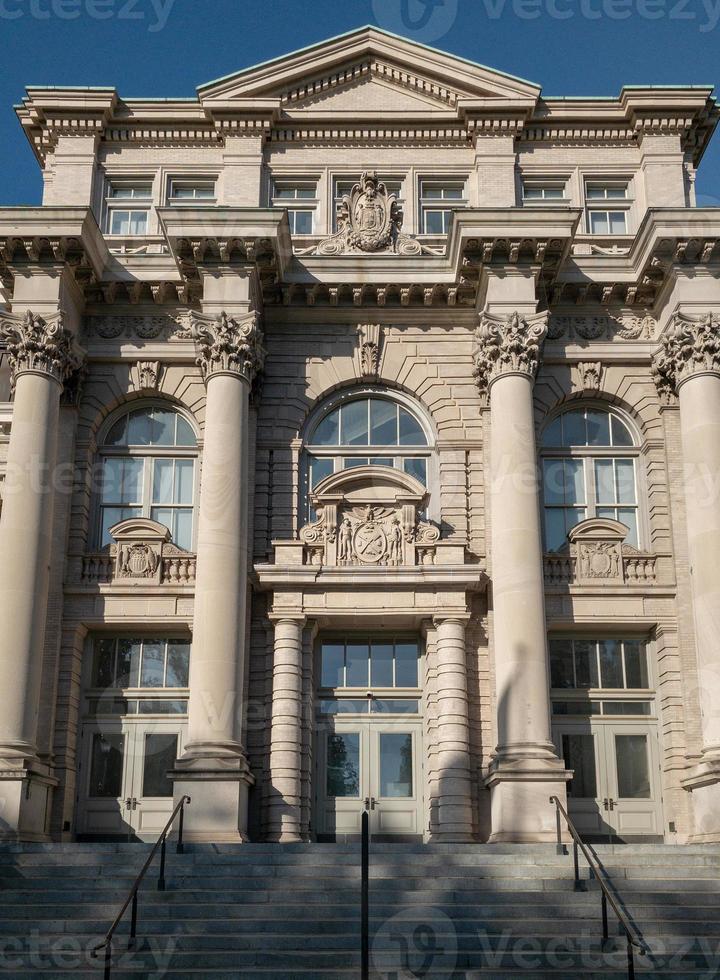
589, 470
148, 470
362, 430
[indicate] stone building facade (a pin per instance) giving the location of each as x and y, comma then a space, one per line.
360, 434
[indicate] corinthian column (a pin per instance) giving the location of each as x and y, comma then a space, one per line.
229, 355
525, 770
42, 355
688, 364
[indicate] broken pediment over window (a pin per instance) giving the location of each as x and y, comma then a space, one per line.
369, 517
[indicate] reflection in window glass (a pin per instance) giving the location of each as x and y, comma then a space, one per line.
160, 755
579, 756
357, 663
394, 706
378, 663
607, 663
343, 765
396, 766
633, 773
106, 766
122, 662
381, 667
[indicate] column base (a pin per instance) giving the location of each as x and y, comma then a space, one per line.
25, 796
520, 807
704, 783
218, 789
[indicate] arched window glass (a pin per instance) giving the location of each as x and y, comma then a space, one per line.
589, 458
148, 470
363, 431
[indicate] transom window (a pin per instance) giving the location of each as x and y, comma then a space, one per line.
599, 677
607, 208
589, 470
369, 675
300, 199
148, 470
344, 436
123, 663
128, 208
437, 198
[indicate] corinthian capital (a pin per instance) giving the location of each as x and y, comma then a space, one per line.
690, 346
228, 345
508, 346
39, 346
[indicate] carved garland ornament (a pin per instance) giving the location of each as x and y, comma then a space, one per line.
228, 345
690, 346
39, 346
369, 220
507, 346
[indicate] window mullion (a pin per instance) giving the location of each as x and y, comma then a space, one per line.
590, 487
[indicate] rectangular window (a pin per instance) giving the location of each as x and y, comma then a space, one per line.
380, 662
610, 664
128, 209
543, 192
300, 200
184, 191
122, 662
607, 208
437, 199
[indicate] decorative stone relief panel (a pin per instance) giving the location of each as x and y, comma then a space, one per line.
597, 555
601, 327
142, 553
369, 516
166, 326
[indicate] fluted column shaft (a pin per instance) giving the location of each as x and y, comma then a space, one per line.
454, 805
286, 738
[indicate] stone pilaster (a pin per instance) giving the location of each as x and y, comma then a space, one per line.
454, 801
229, 355
42, 356
688, 365
525, 770
286, 737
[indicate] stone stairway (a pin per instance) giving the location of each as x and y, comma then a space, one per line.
270, 912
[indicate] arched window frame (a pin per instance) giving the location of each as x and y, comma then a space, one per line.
588, 454
145, 507
339, 453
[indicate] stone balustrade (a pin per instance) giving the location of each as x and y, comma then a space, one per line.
100, 569
637, 569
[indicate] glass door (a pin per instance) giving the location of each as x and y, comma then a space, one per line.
395, 790
125, 790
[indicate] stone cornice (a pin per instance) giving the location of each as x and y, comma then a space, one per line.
39, 346
690, 347
228, 345
510, 345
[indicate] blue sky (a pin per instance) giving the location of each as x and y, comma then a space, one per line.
167, 47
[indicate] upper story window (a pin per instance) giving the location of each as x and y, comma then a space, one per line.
343, 186
364, 431
589, 470
607, 206
600, 676
148, 470
128, 208
543, 191
437, 199
184, 191
376, 675
301, 202
131, 675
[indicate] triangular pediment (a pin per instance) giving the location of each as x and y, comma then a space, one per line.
367, 70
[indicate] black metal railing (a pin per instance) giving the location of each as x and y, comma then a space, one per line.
365, 898
107, 943
632, 942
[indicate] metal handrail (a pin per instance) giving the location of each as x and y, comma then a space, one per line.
632, 942
107, 942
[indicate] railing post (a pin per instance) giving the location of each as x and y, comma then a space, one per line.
180, 847
108, 959
604, 916
364, 899
161, 879
558, 827
578, 884
630, 958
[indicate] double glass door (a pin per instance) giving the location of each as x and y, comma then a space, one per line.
370, 765
124, 787
615, 790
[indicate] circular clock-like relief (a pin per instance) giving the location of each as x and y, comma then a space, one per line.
370, 543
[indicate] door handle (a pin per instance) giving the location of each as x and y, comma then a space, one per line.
370, 802
612, 803
609, 803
